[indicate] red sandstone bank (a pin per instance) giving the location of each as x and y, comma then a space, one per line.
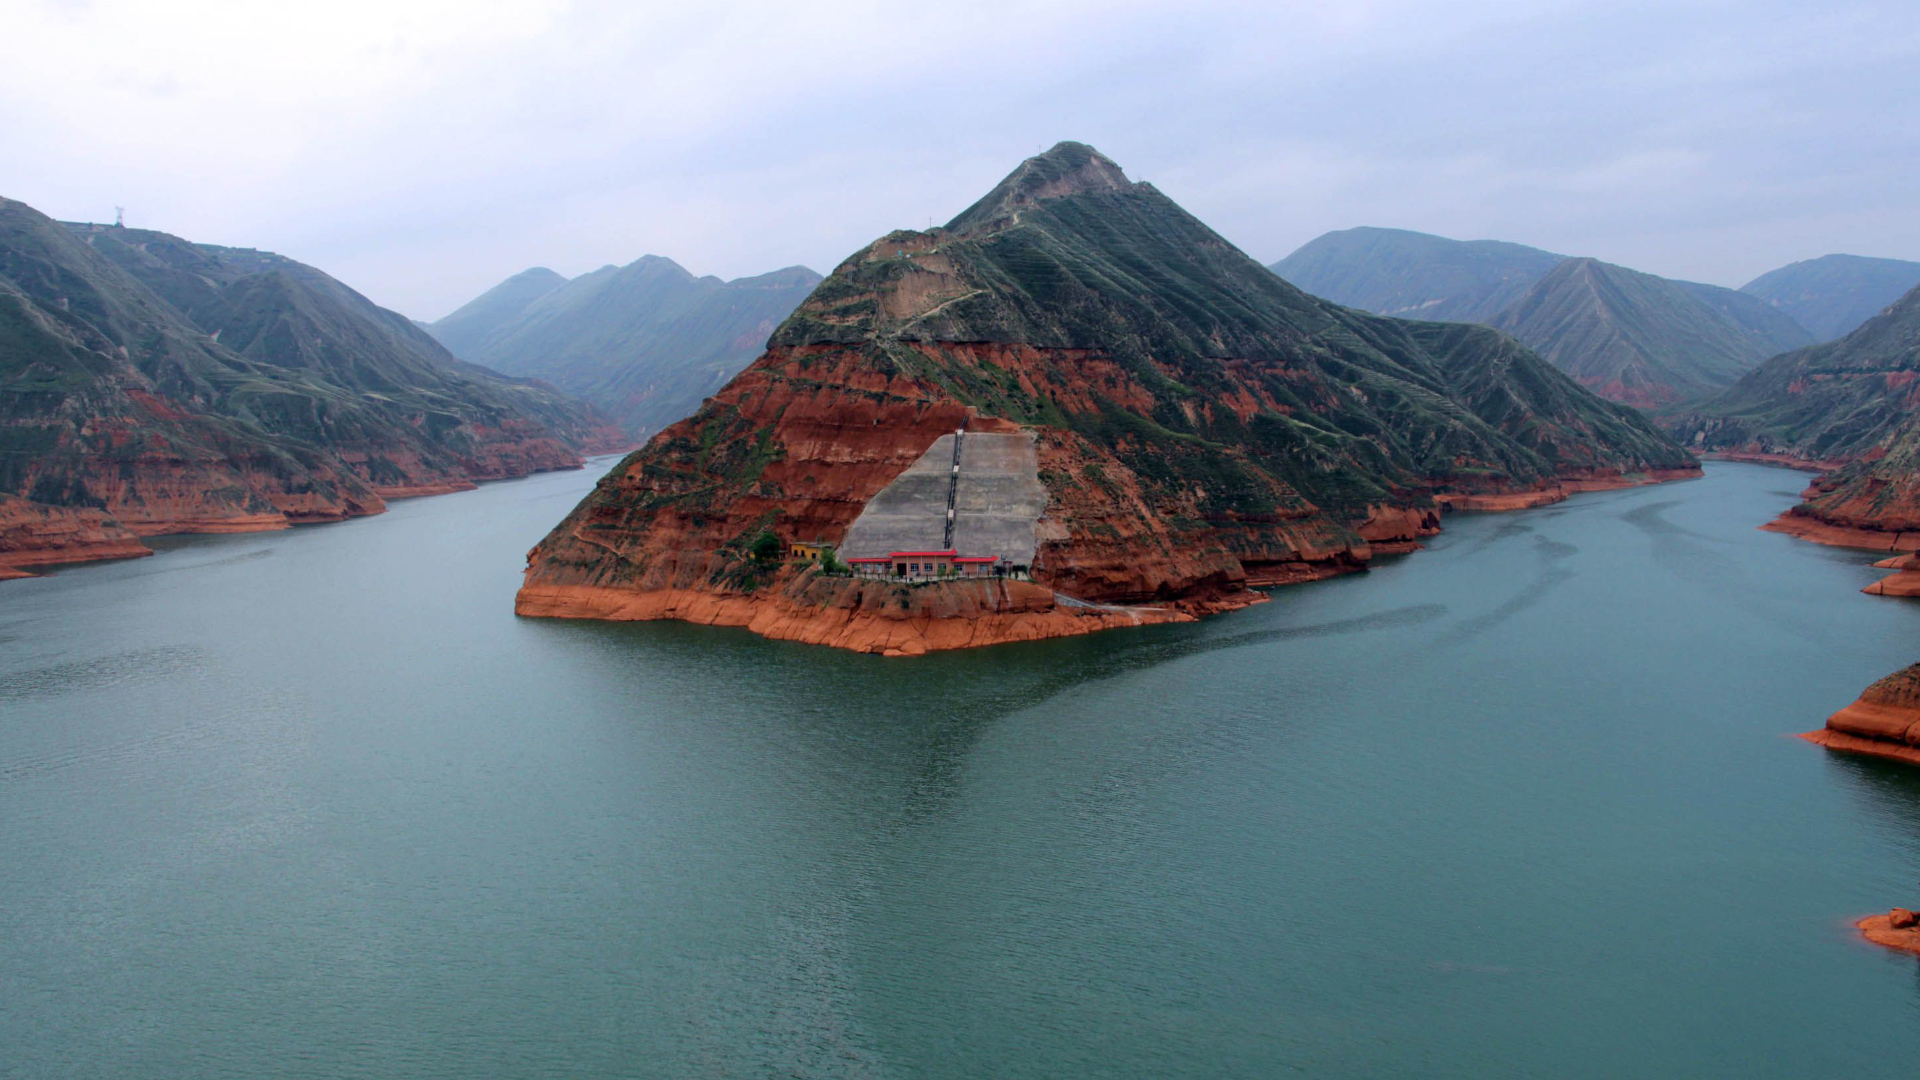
36, 535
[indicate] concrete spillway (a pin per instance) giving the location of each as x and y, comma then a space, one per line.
996, 496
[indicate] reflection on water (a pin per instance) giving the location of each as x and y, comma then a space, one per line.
314, 803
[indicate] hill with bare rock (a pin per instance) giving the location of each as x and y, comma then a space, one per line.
480, 320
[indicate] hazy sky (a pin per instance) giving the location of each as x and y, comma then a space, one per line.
423, 151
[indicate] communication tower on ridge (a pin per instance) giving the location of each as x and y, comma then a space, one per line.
119, 217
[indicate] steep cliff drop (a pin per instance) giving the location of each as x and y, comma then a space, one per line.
1175, 426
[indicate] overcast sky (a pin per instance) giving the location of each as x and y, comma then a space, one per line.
423, 151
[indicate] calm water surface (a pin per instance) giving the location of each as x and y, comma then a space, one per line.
315, 804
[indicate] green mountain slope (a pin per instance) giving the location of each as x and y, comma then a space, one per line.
1642, 339
1833, 401
408, 390
1832, 295
466, 331
1117, 266
192, 388
1196, 416
1773, 329
111, 399
1853, 402
1416, 275
645, 341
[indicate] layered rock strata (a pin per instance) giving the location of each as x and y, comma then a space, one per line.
33, 535
1883, 722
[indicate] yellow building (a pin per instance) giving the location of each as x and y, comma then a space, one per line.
808, 552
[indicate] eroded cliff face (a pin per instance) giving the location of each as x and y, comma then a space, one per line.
1871, 503
1877, 494
157, 465
1201, 427
32, 534
867, 616
1884, 722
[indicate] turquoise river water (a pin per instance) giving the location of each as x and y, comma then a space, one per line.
316, 804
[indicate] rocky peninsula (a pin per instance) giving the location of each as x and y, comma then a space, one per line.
1198, 428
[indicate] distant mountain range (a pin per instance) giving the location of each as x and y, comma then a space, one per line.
1834, 294
467, 331
164, 386
1414, 275
1645, 340
646, 341
1634, 337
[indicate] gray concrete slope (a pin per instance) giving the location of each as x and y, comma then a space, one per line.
997, 501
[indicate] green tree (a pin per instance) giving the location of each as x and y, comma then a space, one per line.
766, 547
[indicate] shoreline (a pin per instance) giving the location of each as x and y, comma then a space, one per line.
1563, 488
1883, 722
1803, 526
1002, 612
19, 564
1842, 743
843, 613
1797, 523
1785, 461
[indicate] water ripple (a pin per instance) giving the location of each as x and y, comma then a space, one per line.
164, 662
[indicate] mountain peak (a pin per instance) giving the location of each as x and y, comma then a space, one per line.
1834, 294
1642, 339
1069, 168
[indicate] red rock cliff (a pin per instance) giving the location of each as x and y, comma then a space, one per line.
33, 535
1884, 722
